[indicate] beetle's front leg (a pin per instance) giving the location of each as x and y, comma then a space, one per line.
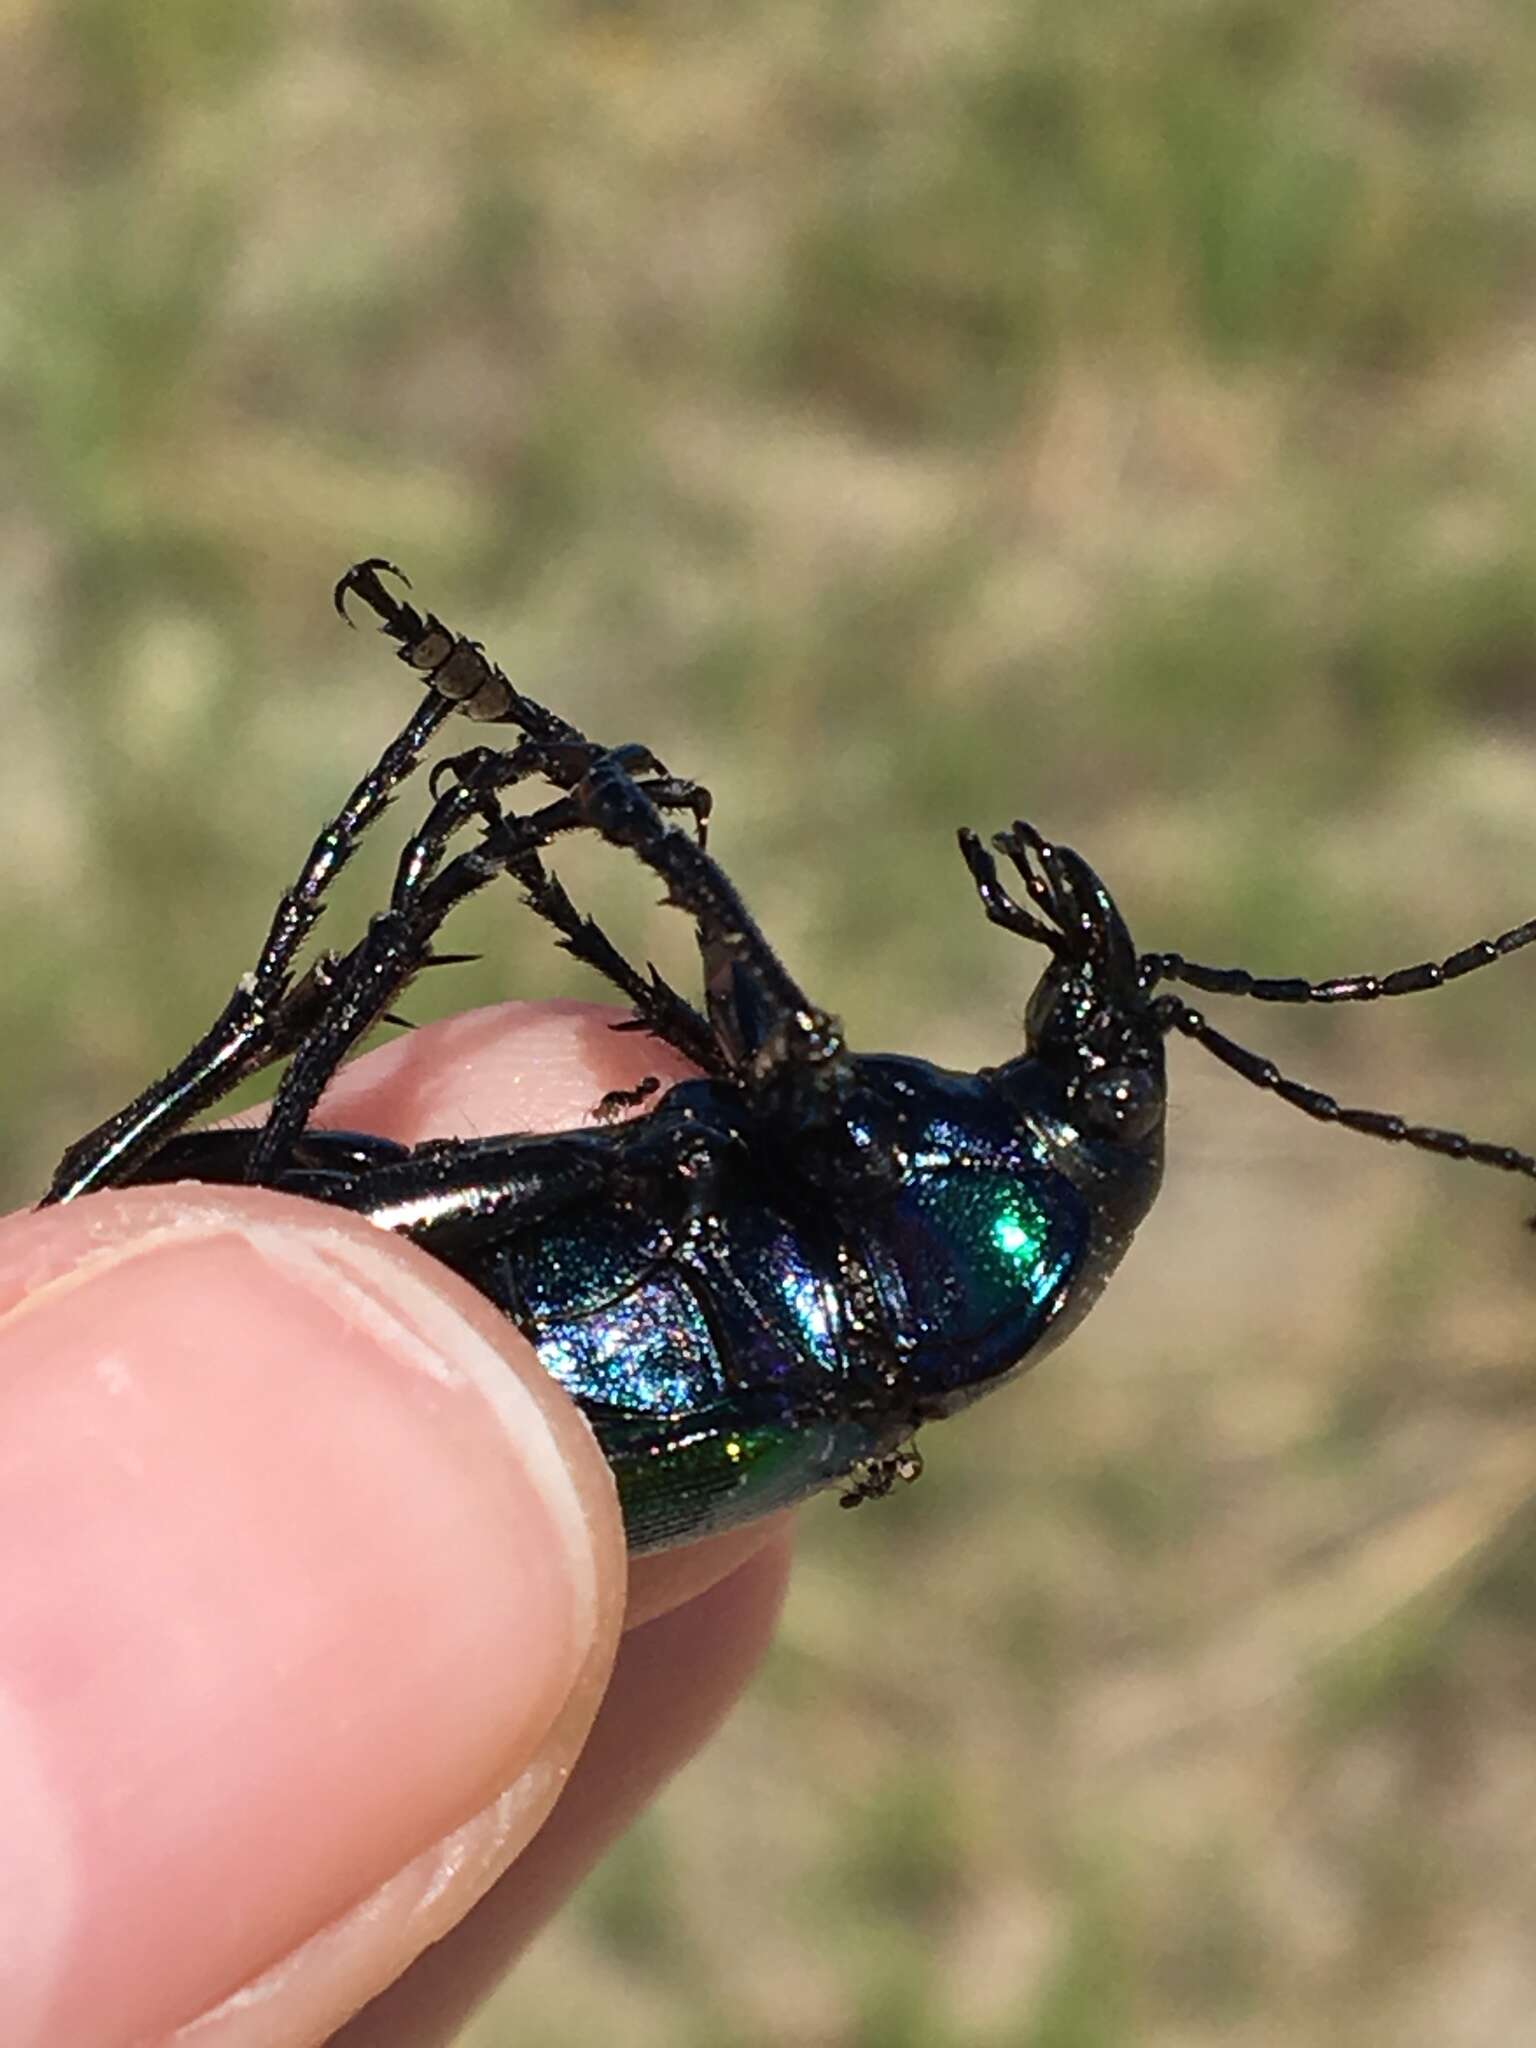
995, 900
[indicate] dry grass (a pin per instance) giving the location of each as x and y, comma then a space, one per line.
925, 414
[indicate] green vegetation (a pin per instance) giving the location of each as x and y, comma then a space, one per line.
900, 415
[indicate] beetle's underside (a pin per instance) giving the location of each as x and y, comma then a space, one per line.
770, 1278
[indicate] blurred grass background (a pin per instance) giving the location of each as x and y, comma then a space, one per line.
898, 415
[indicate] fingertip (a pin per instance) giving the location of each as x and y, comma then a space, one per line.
509, 1067
676, 1679
293, 1524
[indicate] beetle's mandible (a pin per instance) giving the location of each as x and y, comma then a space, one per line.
771, 1279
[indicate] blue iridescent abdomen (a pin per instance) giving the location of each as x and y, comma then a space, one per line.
981, 1242
735, 1358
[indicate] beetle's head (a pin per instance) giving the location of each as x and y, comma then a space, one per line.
1089, 1024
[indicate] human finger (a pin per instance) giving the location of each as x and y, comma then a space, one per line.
309, 1587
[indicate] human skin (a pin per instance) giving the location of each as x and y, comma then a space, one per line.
311, 1589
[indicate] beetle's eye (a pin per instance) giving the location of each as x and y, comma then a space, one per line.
1121, 1102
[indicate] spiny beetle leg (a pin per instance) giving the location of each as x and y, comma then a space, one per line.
658, 1008
398, 945
999, 905
622, 811
479, 773
244, 1037
789, 1055
453, 667
395, 948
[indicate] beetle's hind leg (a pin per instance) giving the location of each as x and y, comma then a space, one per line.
362, 986
367, 981
762, 1030
265, 1014
269, 1015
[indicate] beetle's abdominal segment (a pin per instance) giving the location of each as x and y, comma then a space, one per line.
764, 1280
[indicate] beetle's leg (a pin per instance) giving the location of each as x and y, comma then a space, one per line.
265, 1017
788, 1055
453, 667
395, 948
248, 1033
769, 1032
477, 776
762, 1027
455, 1196
458, 668
658, 1007
466, 786
398, 943
1000, 907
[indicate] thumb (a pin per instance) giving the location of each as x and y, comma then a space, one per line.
310, 1581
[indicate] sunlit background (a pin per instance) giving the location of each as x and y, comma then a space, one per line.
898, 414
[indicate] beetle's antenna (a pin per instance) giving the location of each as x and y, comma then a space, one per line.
995, 899
1174, 1015
1348, 988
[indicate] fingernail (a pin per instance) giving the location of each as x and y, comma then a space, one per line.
297, 1570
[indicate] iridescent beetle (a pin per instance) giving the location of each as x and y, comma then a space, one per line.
769, 1280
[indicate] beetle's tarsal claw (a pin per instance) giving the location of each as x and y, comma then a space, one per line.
351, 585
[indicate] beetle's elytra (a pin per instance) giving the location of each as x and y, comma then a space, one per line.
771, 1279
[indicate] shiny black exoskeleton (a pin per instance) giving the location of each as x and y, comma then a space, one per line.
773, 1277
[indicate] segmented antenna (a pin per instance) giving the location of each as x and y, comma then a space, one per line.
1175, 1015
1348, 988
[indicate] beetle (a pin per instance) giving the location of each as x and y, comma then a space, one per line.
769, 1279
